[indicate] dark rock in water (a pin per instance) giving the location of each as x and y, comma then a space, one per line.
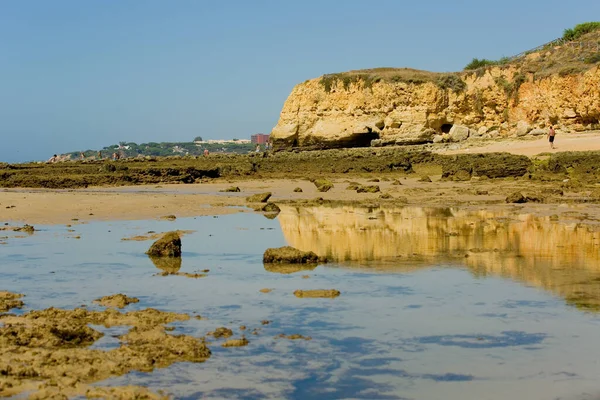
25, 228
290, 255
259, 198
231, 189
116, 300
167, 246
516, 197
236, 342
221, 332
271, 208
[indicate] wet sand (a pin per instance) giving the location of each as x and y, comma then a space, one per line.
144, 202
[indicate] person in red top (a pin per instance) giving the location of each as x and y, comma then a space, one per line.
551, 134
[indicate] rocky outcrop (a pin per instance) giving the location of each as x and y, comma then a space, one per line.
167, 246
289, 255
497, 102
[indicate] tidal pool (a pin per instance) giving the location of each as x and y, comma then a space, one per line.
435, 303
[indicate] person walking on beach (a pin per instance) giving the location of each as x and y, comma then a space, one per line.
206, 152
257, 148
81, 156
99, 155
551, 134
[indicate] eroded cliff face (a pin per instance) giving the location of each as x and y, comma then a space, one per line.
498, 102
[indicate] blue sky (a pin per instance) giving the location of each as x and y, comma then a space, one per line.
83, 74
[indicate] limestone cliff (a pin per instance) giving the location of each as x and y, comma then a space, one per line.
402, 106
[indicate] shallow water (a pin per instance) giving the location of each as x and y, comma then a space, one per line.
435, 303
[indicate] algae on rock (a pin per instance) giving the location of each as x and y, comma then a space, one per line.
167, 246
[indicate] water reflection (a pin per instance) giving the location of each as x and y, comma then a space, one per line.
563, 257
170, 265
289, 268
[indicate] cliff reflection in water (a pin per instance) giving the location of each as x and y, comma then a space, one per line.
561, 257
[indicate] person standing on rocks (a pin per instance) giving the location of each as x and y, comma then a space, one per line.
551, 134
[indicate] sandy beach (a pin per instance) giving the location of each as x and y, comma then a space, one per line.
44, 206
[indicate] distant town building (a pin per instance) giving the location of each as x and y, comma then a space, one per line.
259, 138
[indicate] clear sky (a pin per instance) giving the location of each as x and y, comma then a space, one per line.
83, 74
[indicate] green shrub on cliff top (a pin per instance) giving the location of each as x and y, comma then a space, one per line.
580, 30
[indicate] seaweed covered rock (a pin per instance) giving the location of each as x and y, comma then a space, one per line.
9, 300
167, 246
116, 300
289, 255
492, 165
323, 185
516, 197
582, 164
368, 189
259, 198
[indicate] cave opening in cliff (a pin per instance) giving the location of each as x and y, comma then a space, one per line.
446, 128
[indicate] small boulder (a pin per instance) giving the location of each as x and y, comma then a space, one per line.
231, 189
259, 198
516, 197
522, 128
458, 133
236, 342
289, 255
116, 301
425, 178
221, 332
368, 189
25, 228
271, 208
167, 246
323, 185
537, 132
298, 190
